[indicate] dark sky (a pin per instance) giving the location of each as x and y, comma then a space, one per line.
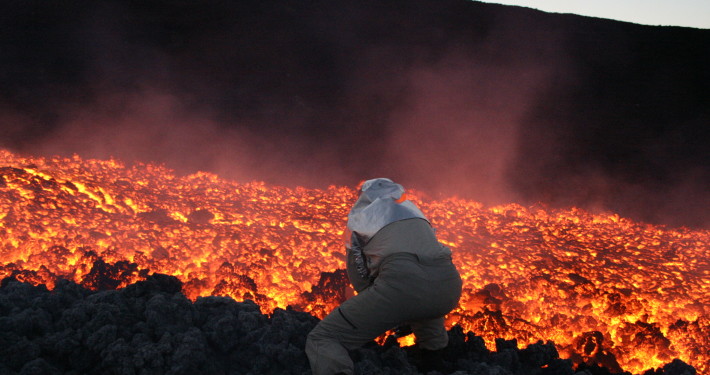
492, 103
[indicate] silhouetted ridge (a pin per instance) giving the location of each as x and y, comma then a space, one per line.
612, 114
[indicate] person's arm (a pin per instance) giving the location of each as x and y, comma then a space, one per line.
358, 272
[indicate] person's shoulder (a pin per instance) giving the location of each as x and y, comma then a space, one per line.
409, 225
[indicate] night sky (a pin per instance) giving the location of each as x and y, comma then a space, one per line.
492, 103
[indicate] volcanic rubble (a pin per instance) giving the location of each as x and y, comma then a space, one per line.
150, 327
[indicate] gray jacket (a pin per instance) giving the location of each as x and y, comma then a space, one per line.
414, 236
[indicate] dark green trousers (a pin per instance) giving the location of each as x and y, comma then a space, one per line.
405, 292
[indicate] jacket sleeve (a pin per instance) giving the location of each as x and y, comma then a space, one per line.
358, 272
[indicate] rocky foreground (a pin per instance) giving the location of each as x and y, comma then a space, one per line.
150, 327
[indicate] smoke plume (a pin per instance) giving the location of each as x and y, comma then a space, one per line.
492, 103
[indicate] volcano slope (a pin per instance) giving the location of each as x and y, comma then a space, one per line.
150, 327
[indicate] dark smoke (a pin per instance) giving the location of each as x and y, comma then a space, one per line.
151, 328
454, 97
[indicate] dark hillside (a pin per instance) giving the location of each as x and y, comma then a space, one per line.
494, 103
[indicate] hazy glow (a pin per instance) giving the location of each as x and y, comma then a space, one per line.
689, 13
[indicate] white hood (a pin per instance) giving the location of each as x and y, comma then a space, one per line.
380, 204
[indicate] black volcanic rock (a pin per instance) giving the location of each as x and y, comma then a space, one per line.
150, 327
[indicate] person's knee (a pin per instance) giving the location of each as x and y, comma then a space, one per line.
326, 353
321, 337
310, 344
317, 336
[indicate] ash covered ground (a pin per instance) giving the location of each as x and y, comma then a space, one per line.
150, 327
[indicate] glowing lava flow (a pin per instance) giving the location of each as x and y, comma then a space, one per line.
604, 289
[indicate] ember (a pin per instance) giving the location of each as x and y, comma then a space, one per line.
606, 290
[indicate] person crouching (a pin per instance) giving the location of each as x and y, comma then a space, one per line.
402, 273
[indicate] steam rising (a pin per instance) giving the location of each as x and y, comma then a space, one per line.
458, 130
155, 127
496, 104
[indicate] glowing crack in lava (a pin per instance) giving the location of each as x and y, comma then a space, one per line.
605, 289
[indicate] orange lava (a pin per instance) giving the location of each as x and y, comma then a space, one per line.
605, 289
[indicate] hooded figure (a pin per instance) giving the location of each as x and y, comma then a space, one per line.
402, 274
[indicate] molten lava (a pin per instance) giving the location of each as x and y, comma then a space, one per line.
605, 289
